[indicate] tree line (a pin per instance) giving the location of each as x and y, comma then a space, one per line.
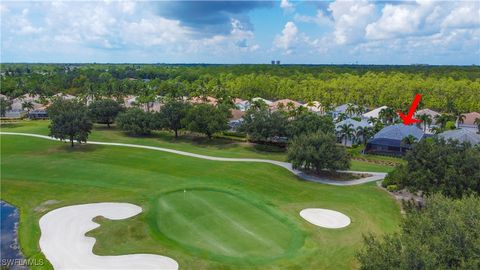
446, 89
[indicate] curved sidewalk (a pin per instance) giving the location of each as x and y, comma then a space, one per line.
375, 176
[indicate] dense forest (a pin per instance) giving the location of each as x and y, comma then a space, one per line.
444, 88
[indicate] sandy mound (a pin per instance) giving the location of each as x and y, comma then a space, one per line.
65, 245
325, 218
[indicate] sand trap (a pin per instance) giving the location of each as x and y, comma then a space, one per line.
65, 245
325, 218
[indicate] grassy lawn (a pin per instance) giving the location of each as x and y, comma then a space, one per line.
196, 144
230, 210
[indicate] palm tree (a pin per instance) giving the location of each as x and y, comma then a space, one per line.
408, 141
477, 122
426, 121
460, 118
436, 130
373, 120
442, 120
351, 109
346, 132
365, 133
341, 117
387, 115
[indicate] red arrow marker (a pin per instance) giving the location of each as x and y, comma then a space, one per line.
408, 119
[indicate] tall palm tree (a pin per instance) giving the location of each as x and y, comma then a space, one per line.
460, 118
351, 109
341, 117
442, 120
365, 133
387, 115
409, 140
426, 121
346, 132
477, 122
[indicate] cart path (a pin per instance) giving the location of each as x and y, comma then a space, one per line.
374, 176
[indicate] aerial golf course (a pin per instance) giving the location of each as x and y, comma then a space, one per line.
203, 214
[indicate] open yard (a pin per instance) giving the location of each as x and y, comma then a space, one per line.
203, 214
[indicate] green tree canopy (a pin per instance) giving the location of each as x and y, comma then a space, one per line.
136, 121
206, 119
5, 105
262, 125
308, 122
435, 165
172, 114
316, 152
104, 111
69, 119
444, 234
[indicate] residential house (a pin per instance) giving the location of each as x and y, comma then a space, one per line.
343, 109
462, 135
284, 104
469, 121
64, 96
236, 119
315, 107
355, 124
129, 101
208, 99
38, 114
373, 113
432, 114
241, 104
389, 140
266, 101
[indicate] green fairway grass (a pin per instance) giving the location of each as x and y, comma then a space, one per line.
226, 201
250, 232
193, 144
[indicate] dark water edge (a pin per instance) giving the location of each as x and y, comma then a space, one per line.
10, 253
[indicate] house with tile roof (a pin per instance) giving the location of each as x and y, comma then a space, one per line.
284, 104
373, 113
355, 124
236, 118
469, 121
432, 114
389, 140
315, 107
461, 135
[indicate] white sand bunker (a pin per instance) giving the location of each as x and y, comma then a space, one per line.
325, 218
65, 245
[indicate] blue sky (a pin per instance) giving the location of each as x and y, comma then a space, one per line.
305, 32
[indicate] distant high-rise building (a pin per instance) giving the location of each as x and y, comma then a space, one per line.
278, 62
273, 62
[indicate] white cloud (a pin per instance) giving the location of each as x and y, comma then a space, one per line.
286, 5
320, 19
288, 38
152, 31
405, 19
465, 14
350, 19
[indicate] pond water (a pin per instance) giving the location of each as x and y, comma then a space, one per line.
11, 256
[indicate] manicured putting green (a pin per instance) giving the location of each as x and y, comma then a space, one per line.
223, 224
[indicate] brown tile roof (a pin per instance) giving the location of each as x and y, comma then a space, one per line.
276, 104
236, 114
238, 100
208, 99
470, 118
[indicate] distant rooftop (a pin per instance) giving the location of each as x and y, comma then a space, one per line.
462, 135
398, 132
